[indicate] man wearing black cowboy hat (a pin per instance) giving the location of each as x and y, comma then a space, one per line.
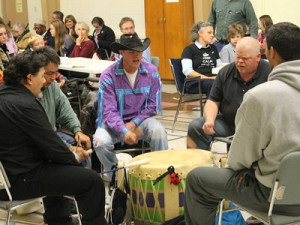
127, 26
129, 96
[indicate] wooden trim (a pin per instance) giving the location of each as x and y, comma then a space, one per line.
45, 15
202, 10
4, 10
48, 6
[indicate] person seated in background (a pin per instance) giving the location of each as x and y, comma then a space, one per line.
10, 43
57, 16
265, 21
70, 23
4, 57
234, 34
22, 35
84, 46
128, 98
40, 27
64, 43
265, 134
35, 42
36, 160
232, 82
199, 58
49, 40
103, 37
127, 26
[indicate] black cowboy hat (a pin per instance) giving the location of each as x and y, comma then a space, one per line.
130, 42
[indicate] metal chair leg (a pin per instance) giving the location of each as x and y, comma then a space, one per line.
177, 112
78, 213
76, 206
201, 106
8, 213
221, 212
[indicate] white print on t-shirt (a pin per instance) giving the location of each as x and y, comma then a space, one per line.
206, 60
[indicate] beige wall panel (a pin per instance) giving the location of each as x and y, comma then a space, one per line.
110, 11
16, 10
202, 10
280, 11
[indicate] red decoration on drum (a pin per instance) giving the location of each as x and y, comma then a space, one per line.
175, 179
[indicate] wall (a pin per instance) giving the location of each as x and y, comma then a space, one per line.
202, 10
34, 12
113, 11
110, 11
280, 11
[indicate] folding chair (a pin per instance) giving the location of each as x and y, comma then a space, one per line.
284, 192
155, 61
74, 88
226, 140
12, 205
181, 82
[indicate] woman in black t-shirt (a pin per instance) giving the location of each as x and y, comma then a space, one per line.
199, 58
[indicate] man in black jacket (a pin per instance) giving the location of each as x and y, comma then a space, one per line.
103, 37
36, 161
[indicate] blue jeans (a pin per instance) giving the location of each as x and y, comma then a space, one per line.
66, 137
70, 139
201, 139
154, 133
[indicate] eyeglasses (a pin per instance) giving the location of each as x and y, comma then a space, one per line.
50, 73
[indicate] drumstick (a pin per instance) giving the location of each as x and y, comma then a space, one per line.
139, 162
90, 151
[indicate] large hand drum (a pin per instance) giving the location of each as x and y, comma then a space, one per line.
154, 204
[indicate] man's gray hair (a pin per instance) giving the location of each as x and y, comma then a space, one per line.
199, 26
19, 26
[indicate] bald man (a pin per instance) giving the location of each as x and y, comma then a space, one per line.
226, 95
267, 128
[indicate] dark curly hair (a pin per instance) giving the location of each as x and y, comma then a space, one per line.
98, 20
50, 54
285, 38
27, 62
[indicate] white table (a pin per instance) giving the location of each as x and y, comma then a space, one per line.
216, 70
84, 65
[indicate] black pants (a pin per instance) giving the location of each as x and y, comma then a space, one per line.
206, 85
54, 181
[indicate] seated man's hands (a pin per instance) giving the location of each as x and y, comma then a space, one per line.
81, 138
134, 128
131, 126
130, 138
61, 83
80, 153
208, 127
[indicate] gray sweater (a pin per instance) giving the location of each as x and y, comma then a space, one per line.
268, 124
